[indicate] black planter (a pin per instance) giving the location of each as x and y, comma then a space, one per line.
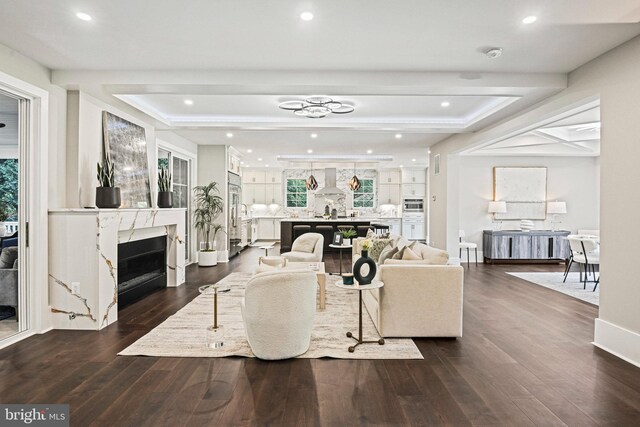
108, 197
357, 267
165, 199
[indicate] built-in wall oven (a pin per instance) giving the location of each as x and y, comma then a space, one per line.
413, 205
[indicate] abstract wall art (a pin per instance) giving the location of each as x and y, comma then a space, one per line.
126, 144
524, 189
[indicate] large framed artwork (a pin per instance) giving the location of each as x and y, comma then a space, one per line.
524, 189
126, 144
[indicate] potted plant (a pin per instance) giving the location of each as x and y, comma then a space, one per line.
107, 195
6, 212
347, 235
165, 195
209, 205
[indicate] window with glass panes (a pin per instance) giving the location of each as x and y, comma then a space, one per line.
296, 193
364, 196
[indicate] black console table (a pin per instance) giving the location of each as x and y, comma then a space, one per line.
525, 246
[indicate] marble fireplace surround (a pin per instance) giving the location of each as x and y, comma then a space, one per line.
83, 247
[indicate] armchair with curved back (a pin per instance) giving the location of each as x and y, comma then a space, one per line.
278, 311
309, 247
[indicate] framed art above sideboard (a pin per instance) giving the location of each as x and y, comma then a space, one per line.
524, 189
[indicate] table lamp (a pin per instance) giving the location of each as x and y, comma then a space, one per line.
555, 208
496, 208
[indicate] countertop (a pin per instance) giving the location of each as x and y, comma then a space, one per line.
362, 219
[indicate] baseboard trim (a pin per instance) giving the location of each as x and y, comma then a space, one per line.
618, 341
19, 336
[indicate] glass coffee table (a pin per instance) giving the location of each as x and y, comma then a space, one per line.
215, 332
355, 287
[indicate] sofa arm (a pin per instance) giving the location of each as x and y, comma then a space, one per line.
421, 300
9, 287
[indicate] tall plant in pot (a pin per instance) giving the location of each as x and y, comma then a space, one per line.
209, 206
107, 194
165, 195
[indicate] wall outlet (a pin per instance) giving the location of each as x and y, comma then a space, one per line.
75, 288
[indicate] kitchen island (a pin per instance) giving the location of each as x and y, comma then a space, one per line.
326, 227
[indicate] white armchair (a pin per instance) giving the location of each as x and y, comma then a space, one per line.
278, 310
307, 248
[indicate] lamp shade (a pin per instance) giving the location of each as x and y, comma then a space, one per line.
497, 207
556, 207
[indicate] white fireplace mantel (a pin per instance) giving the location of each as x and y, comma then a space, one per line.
83, 249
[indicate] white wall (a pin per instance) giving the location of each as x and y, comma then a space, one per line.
212, 167
574, 180
614, 80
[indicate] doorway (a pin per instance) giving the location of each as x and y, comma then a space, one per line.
13, 261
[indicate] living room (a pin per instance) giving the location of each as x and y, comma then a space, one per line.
270, 178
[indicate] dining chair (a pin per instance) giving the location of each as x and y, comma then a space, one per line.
584, 252
467, 245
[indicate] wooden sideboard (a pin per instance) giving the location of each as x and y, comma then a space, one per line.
526, 246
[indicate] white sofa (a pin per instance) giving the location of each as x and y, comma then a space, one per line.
278, 311
307, 248
419, 299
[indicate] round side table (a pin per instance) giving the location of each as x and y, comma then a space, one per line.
340, 249
356, 287
215, 332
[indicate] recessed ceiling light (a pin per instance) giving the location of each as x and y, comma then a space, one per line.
249, 150
84, 16
398, 135
314, 135
266, 166
188, 102
401, 166
493, 53
530, 19
259, 159
429, 152
229, 135
306, 16
413, 160
309, 151
241, 162
369, 151
445, 104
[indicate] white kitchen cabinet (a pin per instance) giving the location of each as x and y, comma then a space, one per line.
253, 176
414, 190
389, 194
273, 176
273, 194
268, 229
251, 193
389, 176
414, 176
413, 230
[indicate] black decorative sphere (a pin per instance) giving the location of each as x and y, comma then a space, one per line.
357, 269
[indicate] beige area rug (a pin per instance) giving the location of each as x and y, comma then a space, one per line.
572, 287
184, 334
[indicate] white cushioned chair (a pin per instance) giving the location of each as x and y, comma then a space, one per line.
307, 248
278, 310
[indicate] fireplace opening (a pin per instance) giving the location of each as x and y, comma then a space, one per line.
142, 268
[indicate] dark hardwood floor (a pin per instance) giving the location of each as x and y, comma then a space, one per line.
525, 359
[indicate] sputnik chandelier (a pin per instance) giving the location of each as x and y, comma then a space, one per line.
316, 107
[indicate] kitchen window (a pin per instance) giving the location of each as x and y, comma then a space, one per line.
364, 196
296, 193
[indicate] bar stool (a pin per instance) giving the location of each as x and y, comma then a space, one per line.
299, 230
327, 233
364, 229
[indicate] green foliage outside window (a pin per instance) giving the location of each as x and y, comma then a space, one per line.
296, 193
364, 196
9, 187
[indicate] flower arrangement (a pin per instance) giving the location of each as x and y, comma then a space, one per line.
366, 244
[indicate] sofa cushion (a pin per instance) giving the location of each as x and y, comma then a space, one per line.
305, 243
409, 255
377, 246
406, 262
432, 255
387, 253
8, 257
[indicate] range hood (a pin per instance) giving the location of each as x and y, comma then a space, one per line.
330, 183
